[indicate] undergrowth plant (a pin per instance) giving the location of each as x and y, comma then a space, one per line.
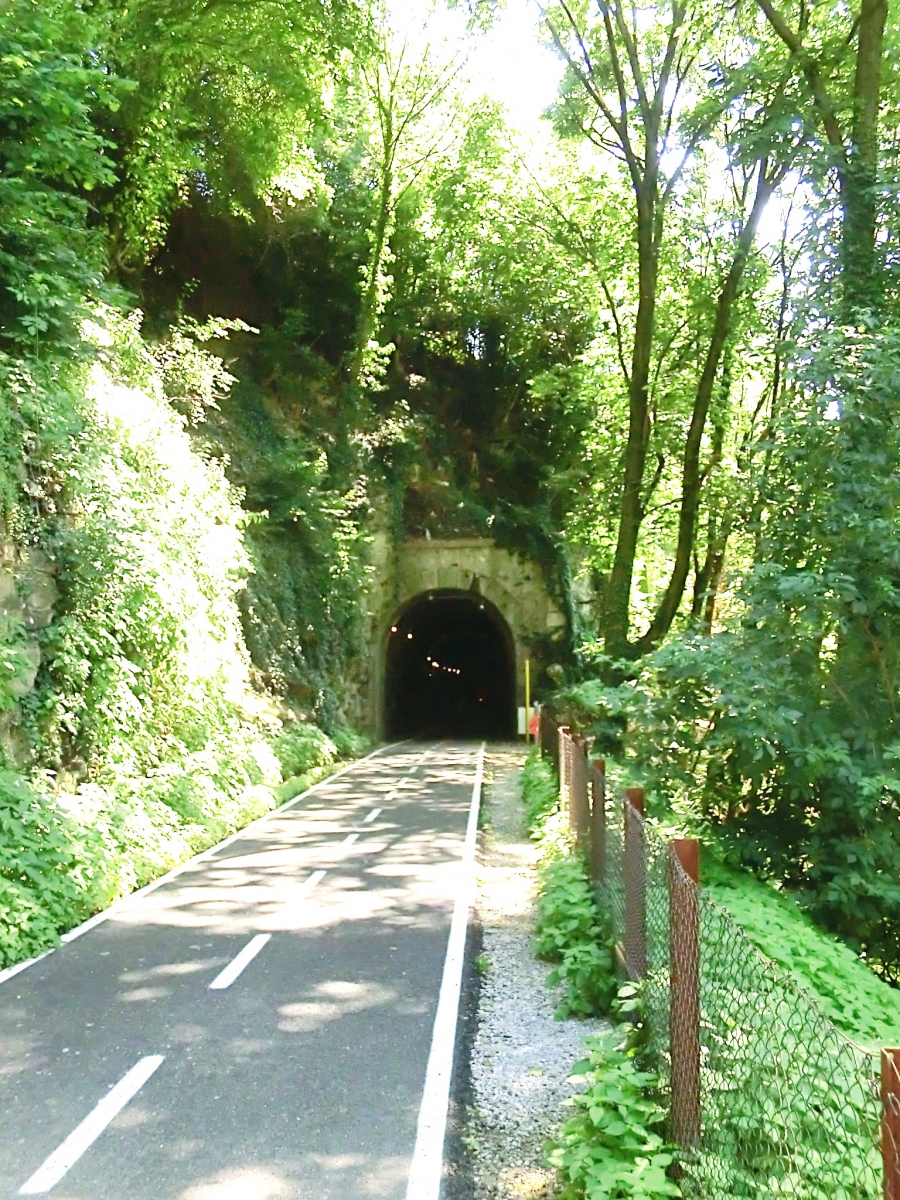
540, 792
787, 1128
570, 930
302, 746
613, 1146
854, 999
47, 866
572, 934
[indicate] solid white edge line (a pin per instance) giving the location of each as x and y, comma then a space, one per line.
85, 1134
428, 1157
242, 959
100, 917
376, 812
9, 972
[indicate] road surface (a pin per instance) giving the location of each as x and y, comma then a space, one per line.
258, 1027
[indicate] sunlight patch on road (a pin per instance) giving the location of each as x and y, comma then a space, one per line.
168, 970
242, 1184
330, 1001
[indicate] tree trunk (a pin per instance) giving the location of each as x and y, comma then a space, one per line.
860, 177
618, 597
709, 577
691, 476
855, 155
369, 306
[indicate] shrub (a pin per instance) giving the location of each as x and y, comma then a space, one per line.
301, 747
349, 743
540, 791
612, 1148
45, 870
572, 934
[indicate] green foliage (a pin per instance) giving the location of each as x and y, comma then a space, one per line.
302, 746
860, 1004
540, 791
586, 970
142, 729
227, 103
571, 933
567, 912
613, 1148
45, 870
18, 663
349, 743
52, 158
144, 661
301, 610
790, 1106
482, 964
66, 855
781, 731
147, 744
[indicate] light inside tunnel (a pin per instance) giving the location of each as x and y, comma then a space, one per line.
450, 670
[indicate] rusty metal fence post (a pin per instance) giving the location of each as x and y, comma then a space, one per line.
598, 821
565, 764
635, 885
684, 994
579, 804
890, 1122
549, 737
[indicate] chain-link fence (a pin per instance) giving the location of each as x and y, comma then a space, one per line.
766, 1098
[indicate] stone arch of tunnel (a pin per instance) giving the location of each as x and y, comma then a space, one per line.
450, 669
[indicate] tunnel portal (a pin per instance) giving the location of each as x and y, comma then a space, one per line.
450, 669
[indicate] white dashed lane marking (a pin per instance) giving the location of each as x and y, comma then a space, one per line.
85, 1134
226, 977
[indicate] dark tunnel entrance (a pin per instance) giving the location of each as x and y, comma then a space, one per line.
450, 670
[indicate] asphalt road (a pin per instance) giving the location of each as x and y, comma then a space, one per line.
299, 1077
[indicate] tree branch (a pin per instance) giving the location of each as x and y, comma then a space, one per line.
813, 74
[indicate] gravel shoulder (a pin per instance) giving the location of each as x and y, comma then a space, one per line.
521, 1056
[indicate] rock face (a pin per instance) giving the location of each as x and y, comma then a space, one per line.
28, 596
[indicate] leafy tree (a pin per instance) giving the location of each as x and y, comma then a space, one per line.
229, 98
412, 111
636, 91
840, 57
53, 95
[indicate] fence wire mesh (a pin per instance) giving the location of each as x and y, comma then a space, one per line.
789, 1107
